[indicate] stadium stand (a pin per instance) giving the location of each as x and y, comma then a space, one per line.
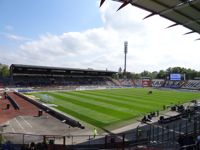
173, 84
1, 82
41, 76
192, 84
113, 82
137, 83
126, 82
25, 75
158, 82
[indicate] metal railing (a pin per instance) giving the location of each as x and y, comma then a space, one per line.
154, 134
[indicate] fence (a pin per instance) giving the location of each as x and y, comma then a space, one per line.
162, 136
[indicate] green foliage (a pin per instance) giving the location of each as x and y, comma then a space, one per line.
190, 73
4, 70
145, 73
103, 108
162, 74
1, 139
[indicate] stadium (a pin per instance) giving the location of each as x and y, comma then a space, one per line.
46, 107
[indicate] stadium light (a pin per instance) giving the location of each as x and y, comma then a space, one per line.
125, 52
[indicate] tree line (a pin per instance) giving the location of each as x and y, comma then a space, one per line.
4, 71
190, 74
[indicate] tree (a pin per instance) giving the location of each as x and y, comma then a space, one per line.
129, 75
120, 70
136, 76
161, 74
154, 75
145, 74
4, 70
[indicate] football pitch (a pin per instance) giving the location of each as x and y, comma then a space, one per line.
103, 108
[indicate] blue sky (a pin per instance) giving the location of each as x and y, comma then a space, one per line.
34, 17
79, 34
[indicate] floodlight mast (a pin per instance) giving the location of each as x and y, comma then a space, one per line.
125, 52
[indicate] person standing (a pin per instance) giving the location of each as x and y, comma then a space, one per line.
95, 132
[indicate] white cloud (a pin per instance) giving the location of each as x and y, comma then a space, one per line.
151, 46
14, 37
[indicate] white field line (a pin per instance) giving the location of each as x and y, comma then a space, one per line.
13, 130
19, 124
26, 122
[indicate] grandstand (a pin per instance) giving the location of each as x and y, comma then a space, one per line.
186, 84
157, 128
192, 84
175, 130
42, 76
174, 84
27, 75
126, 82
158, 83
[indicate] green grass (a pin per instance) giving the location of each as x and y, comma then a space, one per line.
103, 108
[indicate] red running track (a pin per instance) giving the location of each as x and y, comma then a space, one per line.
26, 108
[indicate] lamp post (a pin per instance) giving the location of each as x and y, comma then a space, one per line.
125, 53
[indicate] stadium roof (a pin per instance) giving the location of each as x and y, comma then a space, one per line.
182, 12
21, 69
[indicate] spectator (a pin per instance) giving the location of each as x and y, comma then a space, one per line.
32, 146
198, 142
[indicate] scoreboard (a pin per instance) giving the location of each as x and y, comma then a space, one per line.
176, 77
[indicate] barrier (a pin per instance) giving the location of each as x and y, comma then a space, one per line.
12, 101
186, 113
152, 135
58, 142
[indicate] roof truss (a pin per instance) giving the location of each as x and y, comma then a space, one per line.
182, 12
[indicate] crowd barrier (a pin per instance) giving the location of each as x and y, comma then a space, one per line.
12, 101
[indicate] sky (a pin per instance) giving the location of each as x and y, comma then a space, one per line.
79, 34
